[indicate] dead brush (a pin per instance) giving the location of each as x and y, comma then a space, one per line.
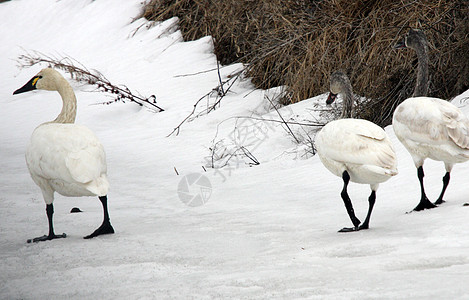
299, 43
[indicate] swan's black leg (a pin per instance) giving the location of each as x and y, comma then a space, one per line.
52, 235
445, 185
348, 204
424, 202
106, 227
371, 203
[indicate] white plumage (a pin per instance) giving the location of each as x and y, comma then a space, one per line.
430, 127
436, 129
433, 128
68, 159
64, 157
355, 149
359, 147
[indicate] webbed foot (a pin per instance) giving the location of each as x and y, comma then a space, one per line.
46, 238
352, 229
105, 228
424, 204
349, 229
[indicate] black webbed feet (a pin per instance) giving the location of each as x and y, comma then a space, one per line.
424, 204
47, 238
105, 228
349, 229
353, 229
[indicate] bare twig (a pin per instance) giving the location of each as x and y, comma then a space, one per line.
223, 94
220, 96
314, 124
249, 155
178, 128
219, 78
220, 153
82, 74
196, 73
283, 121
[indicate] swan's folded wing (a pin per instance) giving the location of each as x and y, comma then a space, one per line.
432, 121
364, 150
457, 125
359, 142
86, 164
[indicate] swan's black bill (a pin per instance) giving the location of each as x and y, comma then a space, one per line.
331, 98
29, 86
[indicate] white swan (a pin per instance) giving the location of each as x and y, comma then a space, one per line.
64, 157
430, 127
354, 149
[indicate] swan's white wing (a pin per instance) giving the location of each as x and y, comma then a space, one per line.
432, 121
66, 152
456, 123
88, 166
355, 141
82, 163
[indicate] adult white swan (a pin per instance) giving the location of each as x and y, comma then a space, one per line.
430, 127
64, 157
354, 149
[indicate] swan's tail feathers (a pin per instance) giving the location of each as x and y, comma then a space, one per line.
459, 136
392, 172
382, 171
99, 186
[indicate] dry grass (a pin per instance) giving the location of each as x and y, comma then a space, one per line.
299, 43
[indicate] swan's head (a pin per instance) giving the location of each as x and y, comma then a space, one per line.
414, 39
339, 84
47, 79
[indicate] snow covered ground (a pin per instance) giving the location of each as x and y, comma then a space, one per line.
266, 231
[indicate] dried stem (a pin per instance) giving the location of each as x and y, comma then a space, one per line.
82, 74
283, 120
220, 94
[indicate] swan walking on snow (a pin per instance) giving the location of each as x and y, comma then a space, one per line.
354, 149
430, 127
63, 157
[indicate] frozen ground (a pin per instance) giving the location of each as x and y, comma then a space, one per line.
267, 231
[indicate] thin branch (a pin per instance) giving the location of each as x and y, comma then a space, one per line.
84, 75
196, 73
249, 155
235, 78
280, 121
219, 78
283, 120
178, 128
220, 96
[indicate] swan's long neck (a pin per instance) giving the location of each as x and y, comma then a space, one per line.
421, 86
347, 108
69, 107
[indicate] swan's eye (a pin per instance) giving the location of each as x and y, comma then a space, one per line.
36, 79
